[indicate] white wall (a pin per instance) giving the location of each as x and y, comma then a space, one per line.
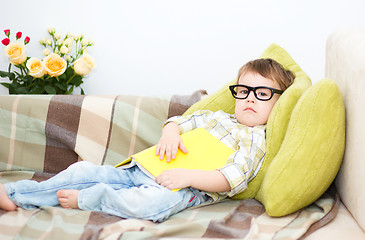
168, 46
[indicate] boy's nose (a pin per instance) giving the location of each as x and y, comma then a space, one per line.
251, 97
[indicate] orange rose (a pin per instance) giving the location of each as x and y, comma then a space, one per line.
35, 67
15, 51
54, 65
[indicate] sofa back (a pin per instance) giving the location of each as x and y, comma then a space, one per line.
345, 64
48, 133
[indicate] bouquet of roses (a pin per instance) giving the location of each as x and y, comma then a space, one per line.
60, 71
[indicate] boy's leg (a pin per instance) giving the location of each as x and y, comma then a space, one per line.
5, 202
30, 194
145, 199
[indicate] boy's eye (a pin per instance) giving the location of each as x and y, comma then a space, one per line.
262, 94
244, 91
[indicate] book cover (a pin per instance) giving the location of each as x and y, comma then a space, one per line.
206, 152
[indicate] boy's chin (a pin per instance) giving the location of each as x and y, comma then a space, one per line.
249, 121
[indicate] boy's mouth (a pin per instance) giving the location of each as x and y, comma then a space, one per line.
249, 109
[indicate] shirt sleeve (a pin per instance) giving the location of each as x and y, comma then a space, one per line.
196, 120
244, 164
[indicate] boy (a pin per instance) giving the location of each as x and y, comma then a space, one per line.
129, 193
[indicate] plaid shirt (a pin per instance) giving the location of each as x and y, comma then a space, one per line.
247, 142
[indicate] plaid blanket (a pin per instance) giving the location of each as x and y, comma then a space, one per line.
42, 135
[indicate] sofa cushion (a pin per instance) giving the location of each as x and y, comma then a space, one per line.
311, 153
280, 115
343, 226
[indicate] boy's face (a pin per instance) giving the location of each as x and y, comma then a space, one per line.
250, 111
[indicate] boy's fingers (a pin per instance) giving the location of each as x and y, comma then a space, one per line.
161, 152
183, 148
157, 152
173, 152
168, 154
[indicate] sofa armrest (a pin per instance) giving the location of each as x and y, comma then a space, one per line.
345, 58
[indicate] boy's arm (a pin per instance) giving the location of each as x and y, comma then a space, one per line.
209, 181
170, 140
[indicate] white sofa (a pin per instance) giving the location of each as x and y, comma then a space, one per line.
345, 64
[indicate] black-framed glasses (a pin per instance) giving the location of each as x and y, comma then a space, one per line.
261, 93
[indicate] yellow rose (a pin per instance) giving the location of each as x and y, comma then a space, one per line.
15, 51
84, 64
35, 67
54, 65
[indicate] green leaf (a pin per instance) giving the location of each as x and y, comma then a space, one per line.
4, 74
7, 85
11, 76
22, 90
77, 80
69, 72
82, 91
50, 90
15, 85
70, 90
29, 79
37, 90
61, 86
62, 77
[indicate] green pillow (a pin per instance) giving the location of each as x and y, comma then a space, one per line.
311, 153
280, 115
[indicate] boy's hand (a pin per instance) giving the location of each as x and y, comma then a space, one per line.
170, 142
210, 181
174, 178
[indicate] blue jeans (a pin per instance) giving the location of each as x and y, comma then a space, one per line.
127, 193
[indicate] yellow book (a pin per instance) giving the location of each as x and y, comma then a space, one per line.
206, 152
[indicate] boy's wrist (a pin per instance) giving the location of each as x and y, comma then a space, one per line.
171, 126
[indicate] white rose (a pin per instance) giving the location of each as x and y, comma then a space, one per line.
46, 52
57, 35
36, 67
51, 30
84, 64
68, 42
59, 42
43, 41
76, 37
84, 42
64, 50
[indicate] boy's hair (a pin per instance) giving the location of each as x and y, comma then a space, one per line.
269, 68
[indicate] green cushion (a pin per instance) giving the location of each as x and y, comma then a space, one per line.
280, 115
311, 153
